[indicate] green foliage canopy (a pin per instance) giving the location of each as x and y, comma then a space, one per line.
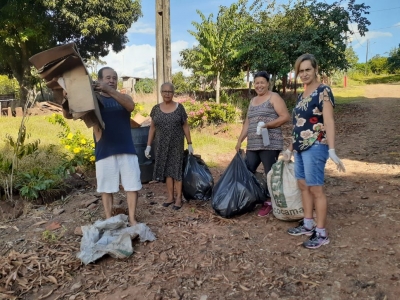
31, 26
378, 64
281, 34
145, 86
394, 60
218, 39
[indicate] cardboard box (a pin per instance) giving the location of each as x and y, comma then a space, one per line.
139, 121
65, 73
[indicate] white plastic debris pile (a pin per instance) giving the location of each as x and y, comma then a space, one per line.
113, 237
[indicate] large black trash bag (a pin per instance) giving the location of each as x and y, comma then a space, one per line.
197, 181
237, 191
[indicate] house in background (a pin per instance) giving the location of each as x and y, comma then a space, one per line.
128, 84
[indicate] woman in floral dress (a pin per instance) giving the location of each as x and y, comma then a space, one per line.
313, 143
169, 126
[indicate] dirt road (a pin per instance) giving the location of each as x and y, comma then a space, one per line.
200, 256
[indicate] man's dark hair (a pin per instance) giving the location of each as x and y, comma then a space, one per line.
100, 73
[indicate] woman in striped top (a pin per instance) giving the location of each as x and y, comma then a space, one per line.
267, 110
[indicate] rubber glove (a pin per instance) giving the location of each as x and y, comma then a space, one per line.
147, 152
287, 155
190, 149
336, 160
259, 126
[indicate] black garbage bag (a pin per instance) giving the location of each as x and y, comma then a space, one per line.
237, 191
197, 181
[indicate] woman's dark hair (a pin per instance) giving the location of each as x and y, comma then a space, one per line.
302, 58
262, 74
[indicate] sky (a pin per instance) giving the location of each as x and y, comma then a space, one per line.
136, 59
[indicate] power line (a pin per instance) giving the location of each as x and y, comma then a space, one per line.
385, 9
356, 37
379, 28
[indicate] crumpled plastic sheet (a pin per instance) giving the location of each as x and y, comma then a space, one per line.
111, 236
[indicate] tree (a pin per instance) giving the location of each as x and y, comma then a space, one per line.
283, 33
217, 42
145, 86
92, 63
393, 60
31, 26
7, 85
378, 64
180, 83
351, 57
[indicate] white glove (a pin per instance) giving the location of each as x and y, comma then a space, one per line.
190, 149
287, 155
336, 160
259, 126
147, 152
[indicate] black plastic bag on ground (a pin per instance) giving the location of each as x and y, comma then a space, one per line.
237, 191
197, 181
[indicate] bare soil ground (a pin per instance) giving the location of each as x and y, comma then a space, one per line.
198, 255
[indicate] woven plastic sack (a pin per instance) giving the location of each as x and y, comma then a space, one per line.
285, 194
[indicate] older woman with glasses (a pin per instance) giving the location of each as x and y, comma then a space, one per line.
168, 127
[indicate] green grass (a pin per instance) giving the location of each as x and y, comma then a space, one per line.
393, 78
348, 94
210, 146
205, 142
38, 128
361, 79
345, 96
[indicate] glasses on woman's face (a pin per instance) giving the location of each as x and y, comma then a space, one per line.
167, 92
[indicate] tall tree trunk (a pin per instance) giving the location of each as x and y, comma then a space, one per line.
248, 75
218, 87
284, 83
21, 70
272, 81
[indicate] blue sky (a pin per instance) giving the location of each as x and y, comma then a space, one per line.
136, 58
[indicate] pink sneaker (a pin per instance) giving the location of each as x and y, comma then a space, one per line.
265, 210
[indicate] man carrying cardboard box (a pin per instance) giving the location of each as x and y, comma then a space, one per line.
114, 150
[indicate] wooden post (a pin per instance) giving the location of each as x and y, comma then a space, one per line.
163, 44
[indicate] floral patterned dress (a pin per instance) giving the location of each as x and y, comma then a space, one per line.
308, 121
169, 142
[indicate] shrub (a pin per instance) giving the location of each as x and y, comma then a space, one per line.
139, 108
203, 113
35, 181
145, 86
80, 149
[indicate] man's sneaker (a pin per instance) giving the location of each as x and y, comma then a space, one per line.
265, 210
300, 230
316, 241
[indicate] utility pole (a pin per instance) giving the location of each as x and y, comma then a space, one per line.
153, 68
163, 44
366, 58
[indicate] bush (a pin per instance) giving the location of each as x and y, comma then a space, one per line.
80, 149
139, 108
145, 86
236, 99
203, 113
35, 181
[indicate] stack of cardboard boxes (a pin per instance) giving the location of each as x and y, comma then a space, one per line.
65, 73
